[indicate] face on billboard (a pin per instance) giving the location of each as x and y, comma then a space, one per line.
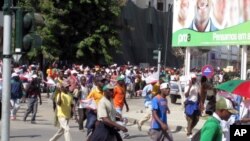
218, 22
219, 10
184, 6
246, 9
202, 10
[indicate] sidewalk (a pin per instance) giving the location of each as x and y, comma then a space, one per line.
176, 118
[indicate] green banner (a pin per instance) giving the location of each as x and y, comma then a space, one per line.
235, 35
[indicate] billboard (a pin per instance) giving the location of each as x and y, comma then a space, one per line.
211, 23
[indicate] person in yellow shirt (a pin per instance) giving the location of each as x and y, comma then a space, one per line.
156, 86
96, 94
64, 107
59, 81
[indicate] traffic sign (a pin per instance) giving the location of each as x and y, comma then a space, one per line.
207, 71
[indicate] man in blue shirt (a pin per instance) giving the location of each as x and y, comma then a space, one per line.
159, 127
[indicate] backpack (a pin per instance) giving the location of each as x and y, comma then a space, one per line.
16, 89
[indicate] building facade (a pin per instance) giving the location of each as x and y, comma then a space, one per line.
161, 5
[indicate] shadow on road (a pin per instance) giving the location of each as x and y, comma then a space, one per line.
25, 136
177, 129
136, 136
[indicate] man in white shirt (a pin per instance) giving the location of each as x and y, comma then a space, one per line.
202, 21
192, 109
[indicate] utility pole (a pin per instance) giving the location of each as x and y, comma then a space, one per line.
169, 12
159, 62
157, 56
5, 130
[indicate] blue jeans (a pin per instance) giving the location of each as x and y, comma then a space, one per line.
91, 119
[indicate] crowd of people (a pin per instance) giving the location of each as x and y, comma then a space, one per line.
98, 95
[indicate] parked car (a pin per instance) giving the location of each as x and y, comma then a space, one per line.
175, 92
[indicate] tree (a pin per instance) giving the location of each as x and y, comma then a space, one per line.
82, 30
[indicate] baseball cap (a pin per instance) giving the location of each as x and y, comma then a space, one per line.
108, 87
223, 103
163, 78
121, 78
164, 86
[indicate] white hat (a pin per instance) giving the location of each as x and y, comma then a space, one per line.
14, 74
150, 80
87, 69
193, 75
74, 72
34, 76
135, 67
164, 86
107, 70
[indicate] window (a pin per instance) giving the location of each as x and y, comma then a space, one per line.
160, 6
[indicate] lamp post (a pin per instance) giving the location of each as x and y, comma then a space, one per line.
5, 129
17, 55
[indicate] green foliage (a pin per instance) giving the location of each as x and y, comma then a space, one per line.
77, 30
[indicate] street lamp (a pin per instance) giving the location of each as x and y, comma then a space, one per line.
17, 55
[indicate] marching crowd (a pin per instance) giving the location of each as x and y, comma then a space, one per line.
98, 95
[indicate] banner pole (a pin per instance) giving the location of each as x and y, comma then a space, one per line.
243, 62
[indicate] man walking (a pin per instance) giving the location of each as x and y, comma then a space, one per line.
64, 103
192, 109
107, 128
16, 94
148, 94
120, 99
33, 93
211, 130
159, 128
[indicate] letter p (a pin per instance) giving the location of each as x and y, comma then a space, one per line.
243, 131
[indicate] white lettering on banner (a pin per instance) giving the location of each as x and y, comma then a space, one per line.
224, 37
184, 38
240, 132
242, 36
231, 37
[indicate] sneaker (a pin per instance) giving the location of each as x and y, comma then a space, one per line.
190, 136
81, 129
125, 136
125, 121
33, 122
13, 118
89, 132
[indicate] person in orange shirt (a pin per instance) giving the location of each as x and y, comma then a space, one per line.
119, 99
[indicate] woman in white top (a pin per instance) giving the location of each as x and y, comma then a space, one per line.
81, 106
